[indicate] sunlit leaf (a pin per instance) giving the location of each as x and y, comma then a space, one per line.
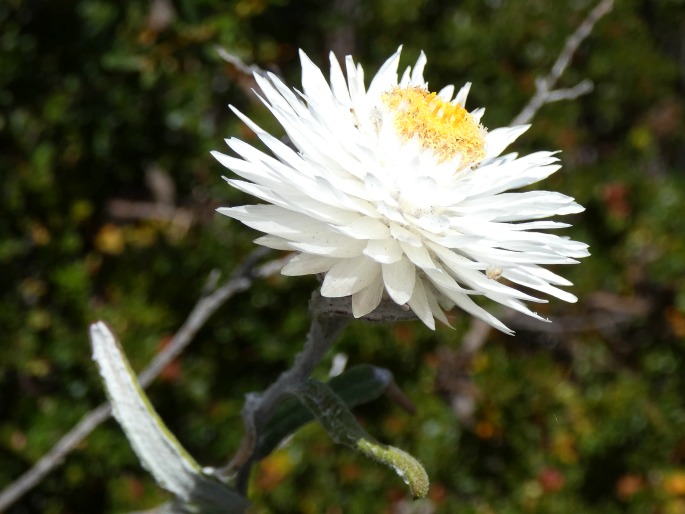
157, 448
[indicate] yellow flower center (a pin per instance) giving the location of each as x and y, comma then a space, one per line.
445, 128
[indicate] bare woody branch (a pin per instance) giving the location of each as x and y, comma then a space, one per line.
240, 280
544, 87
238, 63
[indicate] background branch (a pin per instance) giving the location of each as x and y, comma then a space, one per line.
544, 92
240, 280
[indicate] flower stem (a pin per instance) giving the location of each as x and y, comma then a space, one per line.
323, 332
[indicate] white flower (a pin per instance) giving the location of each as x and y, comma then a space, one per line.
397, 191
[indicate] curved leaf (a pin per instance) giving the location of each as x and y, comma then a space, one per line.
159, 451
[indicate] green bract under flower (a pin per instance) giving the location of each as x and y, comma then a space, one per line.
397, 191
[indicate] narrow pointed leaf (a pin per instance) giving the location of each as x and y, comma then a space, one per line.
343, 428
356, 386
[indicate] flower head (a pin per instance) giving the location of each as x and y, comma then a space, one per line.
394, 190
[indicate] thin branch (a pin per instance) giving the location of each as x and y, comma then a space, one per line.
55, 456
240, 280
582, 88
341, 39
245, 69
127, 209
544, 92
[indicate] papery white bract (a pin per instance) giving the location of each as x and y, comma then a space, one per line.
393, 190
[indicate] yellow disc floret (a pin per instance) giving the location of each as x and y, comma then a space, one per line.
443, 127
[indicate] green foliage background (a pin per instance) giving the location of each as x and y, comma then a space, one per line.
97, 98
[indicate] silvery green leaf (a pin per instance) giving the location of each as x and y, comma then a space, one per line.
158, 450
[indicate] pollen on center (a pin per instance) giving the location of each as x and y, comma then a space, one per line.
443, 127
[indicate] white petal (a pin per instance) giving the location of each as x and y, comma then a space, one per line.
502, 258
342, 247
384, 251
277, 243
364, 228
517, 305
477, 114
417, 73
437, 311
281, 222
314, 84
263, 193
525, 279
338, 84
349, 276
419, 304
431, 223
547, 275
418, 255
439, 277
278, 95
507, 172
462, 95
539, 225
399, 279
386, 77
478, 281
367, 299
405, 236
457, 240
355, 81
498, 139
405, 81
305, 264
464, 302
446, 93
